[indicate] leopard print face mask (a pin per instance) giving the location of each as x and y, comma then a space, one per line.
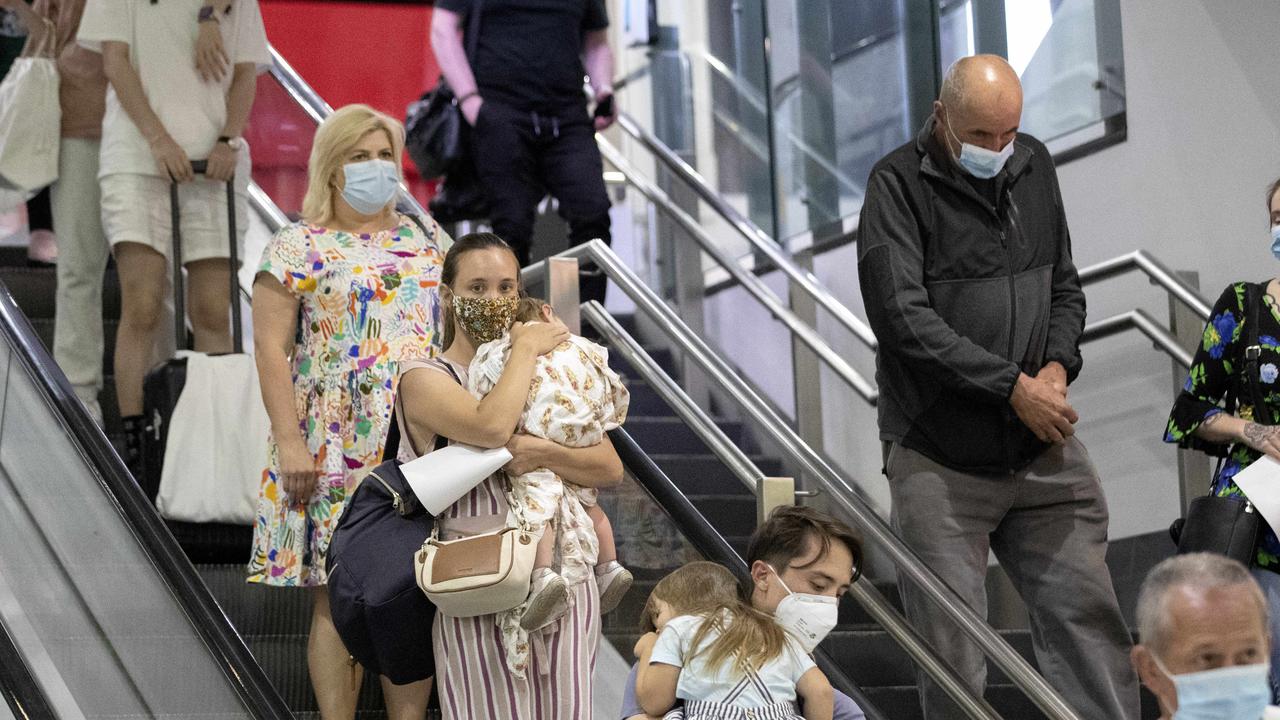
485, 319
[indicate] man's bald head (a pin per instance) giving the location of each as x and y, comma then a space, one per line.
980, 102
980, 81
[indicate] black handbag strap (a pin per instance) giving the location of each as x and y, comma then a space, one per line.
392, 447
1251, 379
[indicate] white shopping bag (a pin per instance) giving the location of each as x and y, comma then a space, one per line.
30, 121
439, 478
217, 443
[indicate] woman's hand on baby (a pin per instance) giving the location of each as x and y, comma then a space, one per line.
540, 338
526, 454
645, 644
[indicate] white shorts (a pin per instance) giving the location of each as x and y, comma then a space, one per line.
135, 208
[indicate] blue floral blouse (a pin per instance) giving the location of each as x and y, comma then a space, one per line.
1214, 371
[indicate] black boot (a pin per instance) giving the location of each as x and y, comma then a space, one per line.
135, 427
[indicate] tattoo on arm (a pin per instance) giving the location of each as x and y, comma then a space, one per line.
1256, 434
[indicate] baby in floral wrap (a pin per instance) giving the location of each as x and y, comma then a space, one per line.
574, 399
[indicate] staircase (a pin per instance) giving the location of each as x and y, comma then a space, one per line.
868, 655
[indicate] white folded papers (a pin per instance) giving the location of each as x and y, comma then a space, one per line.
1261, 485
439, 478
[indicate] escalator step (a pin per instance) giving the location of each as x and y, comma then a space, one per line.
257, 609
35, 290
284, 658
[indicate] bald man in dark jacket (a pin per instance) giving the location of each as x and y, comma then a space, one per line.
964, 260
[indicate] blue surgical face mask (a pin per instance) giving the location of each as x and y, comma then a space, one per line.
370, 185
980, 162
1275, 241
1241, 692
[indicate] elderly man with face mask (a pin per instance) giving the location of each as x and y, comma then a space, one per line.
965, 267
1202, 621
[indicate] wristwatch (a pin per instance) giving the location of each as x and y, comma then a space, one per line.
235, 143
206, 14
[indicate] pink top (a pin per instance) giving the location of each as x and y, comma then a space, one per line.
485, 507
82, 86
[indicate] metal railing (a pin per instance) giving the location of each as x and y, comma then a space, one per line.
760, 241
748, 280
865, 593
1144, 262
840, 491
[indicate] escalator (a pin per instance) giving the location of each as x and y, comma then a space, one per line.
96, 599
110, 619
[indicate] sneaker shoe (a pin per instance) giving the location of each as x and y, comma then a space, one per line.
548, 600
614, 581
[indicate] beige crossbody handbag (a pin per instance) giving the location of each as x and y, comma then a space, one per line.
481, 574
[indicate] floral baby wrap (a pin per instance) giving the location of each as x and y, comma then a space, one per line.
367, 301
574, 399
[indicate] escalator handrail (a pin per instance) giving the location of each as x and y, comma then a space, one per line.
213, 627
21, 692
760, 240
711, 545
840, 490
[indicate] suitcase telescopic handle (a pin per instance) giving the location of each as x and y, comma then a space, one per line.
179, 288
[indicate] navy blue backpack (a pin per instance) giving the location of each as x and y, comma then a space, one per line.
381, 615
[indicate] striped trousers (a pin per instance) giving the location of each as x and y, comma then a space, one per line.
472, 677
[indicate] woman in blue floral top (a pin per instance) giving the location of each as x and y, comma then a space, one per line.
1198, 421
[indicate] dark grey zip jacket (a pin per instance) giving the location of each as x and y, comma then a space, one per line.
962, 297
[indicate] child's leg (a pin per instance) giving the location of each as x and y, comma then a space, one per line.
604, 533
546, 548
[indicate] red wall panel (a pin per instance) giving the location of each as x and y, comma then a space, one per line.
373, 53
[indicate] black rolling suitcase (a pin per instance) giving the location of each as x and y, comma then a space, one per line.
163, 384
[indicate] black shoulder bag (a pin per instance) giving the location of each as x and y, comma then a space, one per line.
1231, 525
382, 617
435, 131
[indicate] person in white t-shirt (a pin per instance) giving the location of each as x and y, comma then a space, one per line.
725, 657
161, 115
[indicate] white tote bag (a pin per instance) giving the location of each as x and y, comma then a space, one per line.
217, 443
31, 119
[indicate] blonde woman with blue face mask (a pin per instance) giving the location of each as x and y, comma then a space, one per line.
340, 299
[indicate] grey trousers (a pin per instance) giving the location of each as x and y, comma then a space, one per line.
82, 260
1047, 525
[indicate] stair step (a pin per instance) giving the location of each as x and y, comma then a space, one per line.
670, 435
664, 357
733, 514
701, 474
874, 659
44, 329
645, 401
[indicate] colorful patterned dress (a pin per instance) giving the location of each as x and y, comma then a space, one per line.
1214, 371
367, 301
